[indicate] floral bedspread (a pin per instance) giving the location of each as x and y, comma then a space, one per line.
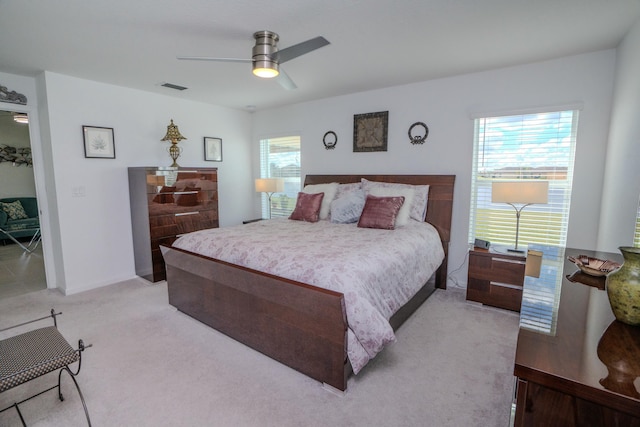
378, 271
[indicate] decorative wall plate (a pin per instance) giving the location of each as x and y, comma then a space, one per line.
330, 139
417, 139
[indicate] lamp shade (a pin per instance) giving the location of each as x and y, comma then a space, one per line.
173, 134
525, 192
269, 185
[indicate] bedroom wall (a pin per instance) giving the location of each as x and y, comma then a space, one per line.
91, 237
446, 106
622, 177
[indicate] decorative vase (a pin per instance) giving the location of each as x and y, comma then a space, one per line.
623, 287
618, 349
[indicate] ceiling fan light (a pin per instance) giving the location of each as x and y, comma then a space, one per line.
265, 72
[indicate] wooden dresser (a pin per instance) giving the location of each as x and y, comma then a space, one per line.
575, 364
165, 203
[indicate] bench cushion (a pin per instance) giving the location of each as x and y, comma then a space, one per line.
32, 354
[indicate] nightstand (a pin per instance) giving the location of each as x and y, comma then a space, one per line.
496, 278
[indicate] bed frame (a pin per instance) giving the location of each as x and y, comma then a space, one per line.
300, 325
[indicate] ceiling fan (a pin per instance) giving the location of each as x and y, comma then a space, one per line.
266, 57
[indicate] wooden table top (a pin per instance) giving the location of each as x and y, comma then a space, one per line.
569, 339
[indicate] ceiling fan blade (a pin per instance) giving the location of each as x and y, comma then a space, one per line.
209, 58
285, 81
291, 52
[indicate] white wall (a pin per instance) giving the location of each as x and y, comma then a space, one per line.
95, 230
446, 106
622, 177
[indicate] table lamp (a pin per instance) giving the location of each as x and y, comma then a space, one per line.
269, 186
173, 135
523, 193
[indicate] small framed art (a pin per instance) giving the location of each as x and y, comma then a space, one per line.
212, 149
98, 142
370, 131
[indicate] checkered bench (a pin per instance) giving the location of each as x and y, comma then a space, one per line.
35, 353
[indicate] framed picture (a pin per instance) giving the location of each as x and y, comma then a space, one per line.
212, 149
98, 142
370, 131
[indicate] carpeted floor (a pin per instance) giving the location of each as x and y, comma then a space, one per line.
150, 365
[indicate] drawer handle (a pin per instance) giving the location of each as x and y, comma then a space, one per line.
187, 213
186, 192
505, 285
511, 261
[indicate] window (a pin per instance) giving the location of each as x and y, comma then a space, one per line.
636, 236
280, 158
530, 146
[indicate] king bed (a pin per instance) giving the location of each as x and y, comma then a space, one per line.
322, 296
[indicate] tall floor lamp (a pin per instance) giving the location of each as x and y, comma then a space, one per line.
523, 193
269, 186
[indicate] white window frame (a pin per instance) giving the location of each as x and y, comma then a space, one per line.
524, 147
287, 165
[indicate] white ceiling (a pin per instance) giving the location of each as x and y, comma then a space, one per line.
374, 43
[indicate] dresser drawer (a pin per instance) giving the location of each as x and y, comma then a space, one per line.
496, 294
497, 268
182, 222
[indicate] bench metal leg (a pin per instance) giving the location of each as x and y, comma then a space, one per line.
72, 375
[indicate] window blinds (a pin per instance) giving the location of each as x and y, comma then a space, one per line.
280, 158
538, 146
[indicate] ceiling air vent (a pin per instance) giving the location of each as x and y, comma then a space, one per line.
172, 86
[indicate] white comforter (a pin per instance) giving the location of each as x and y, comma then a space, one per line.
378, 271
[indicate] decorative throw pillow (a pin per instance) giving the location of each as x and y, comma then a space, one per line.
165, 195
347, 209
403, 215
307, 207
380, 212
14, 210
420, 198
329, 191
189, 197
343, 189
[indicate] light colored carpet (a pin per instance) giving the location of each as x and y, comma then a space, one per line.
151, 365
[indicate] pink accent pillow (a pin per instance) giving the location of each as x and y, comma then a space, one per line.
307, 207
380, 212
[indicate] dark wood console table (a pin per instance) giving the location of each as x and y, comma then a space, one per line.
575, 364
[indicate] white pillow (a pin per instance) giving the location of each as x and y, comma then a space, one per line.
420, 197
329, 191
407, 193
344, 189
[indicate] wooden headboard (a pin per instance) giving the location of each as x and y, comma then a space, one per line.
439, 206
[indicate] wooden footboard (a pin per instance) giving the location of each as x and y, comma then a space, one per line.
302, 326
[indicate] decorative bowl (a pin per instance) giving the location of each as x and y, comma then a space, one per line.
594, 266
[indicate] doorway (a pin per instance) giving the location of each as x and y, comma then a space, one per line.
21, 270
